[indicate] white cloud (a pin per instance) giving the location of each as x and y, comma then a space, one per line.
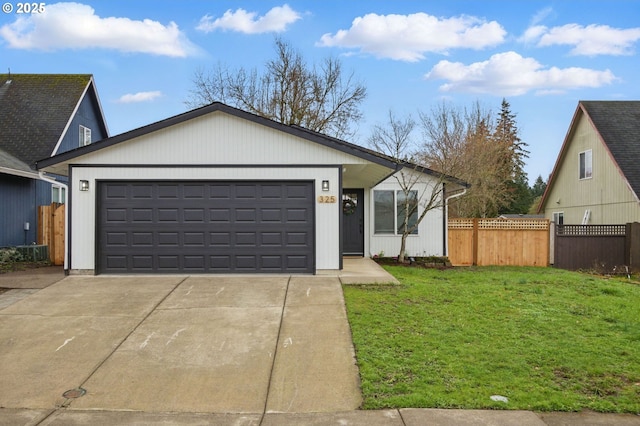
275, 20
130, 98
509, 74
541, 15
76, 26
409, 37
591, 40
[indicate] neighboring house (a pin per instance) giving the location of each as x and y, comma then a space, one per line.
40, 115
220, 190
596, 179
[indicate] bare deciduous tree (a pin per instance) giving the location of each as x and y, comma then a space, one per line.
421, 189
320, 98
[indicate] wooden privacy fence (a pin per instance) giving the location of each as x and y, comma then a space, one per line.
518, 242
51, 231
595, 247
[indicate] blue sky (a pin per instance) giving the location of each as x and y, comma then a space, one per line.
542, 56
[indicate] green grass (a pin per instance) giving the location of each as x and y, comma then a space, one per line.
547, 339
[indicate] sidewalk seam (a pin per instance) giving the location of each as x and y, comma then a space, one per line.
275, 352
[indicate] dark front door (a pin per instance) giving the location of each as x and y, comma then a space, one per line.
353, 221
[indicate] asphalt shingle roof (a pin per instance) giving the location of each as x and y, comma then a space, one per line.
618, 123
9, 161
34, 110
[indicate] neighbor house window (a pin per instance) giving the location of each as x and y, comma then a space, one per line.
389, 213
85, 136
57, 194
585, 164
558, 218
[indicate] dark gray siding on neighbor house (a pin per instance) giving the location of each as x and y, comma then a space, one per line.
24, 195
18, 195
206, 227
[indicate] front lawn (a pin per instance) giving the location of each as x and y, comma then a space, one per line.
546, 339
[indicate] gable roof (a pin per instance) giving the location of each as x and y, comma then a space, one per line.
36, 110
617, 124
294, 130
300, 132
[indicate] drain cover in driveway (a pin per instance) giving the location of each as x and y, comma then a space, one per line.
74, 393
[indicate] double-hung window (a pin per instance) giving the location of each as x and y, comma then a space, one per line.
85, 136
390, 211
586, 164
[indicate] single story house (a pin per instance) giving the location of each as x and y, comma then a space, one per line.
220, 190
596, 178
40, 115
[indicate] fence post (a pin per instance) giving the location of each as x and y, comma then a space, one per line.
474, 240
552, 243
632, 245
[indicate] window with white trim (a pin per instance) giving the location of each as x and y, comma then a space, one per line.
389, 214
586, 164
57, 194
558, 218
85, 136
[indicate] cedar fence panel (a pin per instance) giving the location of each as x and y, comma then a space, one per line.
462, 238
517, 242
51, 231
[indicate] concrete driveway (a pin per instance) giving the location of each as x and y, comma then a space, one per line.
235, 346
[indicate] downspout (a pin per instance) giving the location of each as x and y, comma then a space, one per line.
446, 218
66, 211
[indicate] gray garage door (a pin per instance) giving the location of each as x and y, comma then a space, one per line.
205, 227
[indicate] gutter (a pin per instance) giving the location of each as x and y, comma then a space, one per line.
446, 218
42, 177
21, 173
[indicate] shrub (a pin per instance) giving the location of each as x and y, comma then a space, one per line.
10, 255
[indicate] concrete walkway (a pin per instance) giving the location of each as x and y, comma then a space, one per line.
202, 350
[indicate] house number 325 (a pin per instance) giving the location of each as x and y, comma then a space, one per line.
327, 199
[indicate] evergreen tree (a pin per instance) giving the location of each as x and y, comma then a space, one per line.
537, 191
539, 186
521, 198
506, 134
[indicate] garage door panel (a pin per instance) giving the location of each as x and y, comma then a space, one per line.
115, 192
142, 215
115, 216
245, 215
206, 227
167, 191
142, 263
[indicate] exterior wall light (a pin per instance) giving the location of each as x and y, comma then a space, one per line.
84, 185
325, 185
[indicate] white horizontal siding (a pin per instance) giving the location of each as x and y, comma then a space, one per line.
83, 204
